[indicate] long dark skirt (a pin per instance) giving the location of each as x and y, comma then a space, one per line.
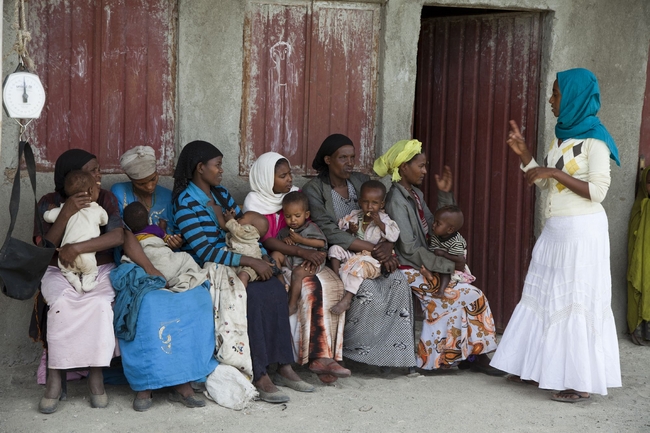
379, 323
269, 332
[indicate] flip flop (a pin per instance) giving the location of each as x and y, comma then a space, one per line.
567, 397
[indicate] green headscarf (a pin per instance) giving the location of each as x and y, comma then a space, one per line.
401, 152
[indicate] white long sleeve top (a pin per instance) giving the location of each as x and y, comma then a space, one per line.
586, 159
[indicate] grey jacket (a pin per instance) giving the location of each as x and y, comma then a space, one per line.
411, 247
322, 208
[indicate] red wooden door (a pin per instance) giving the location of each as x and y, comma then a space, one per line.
474, 74
310, 69
108, 70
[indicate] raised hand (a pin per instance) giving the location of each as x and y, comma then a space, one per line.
446, 180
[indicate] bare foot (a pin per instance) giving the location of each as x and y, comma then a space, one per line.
287, 372
343, 305
264, 383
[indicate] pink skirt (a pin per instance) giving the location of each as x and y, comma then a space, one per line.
79, 326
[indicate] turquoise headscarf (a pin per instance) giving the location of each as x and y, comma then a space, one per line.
578, 108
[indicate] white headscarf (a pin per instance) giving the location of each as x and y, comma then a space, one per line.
262, 199
139, 162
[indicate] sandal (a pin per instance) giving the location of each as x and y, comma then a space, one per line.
569, 396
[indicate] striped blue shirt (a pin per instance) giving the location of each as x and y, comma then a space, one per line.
204, 238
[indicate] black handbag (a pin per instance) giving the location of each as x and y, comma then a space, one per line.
23, 264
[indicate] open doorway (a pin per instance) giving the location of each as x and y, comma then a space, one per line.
477, 69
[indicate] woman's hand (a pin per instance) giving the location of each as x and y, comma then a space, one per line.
174, 241
391, 264
316, 258
263, 269
446, 181
383, 251
288, 241
517, 144
68, 254
74, 204
540, 173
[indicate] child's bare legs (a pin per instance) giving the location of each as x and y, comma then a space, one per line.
344, 304
430, 278
278, 257
297, 275
244, 277
336, 265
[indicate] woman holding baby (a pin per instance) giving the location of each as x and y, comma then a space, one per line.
458, 323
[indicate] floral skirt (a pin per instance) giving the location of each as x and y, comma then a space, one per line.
455, 327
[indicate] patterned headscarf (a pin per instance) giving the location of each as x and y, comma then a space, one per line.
73, 159
578, 108
139, 162
330, 145
193, 153
262, 199
401, 152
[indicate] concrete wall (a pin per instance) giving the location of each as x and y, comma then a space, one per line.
610, 37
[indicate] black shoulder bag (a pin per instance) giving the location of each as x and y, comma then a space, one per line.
23, 264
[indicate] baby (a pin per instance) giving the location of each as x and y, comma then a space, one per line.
370, 224
81, 226
445, 241
302, 232
136, 218
243, 238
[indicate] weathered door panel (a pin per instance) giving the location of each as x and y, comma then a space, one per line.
108, 67
310, 69
474, 74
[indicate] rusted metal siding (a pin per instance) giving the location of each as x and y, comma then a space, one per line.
644, 141
474, 74
108, 68
310, 70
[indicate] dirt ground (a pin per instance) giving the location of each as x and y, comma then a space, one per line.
451, 401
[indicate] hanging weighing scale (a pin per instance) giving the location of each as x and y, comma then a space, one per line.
23, 95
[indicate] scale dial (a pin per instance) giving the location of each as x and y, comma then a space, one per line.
23, 95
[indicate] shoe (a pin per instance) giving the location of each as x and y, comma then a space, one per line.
516, 379
334, 368
327, 378
191, 401
569, 396
98, 401
486, 369
48, 405
296, 385
142, 404
272, 397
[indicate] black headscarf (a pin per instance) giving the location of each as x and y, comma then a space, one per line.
193, 153
331, 144
73, 159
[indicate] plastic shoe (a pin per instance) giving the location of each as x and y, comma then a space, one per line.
191, 401
296, 385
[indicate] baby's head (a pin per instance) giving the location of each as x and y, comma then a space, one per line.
372, 196
257, 220
80, 181
295, 207
447, 220
136, 216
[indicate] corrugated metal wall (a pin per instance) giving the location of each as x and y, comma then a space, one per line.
310, 70
108, 67
474, 74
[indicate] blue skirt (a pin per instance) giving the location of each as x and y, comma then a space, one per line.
174, 341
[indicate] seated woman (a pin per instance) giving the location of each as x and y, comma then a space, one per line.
317, 333
145, 365
80, 325
198, 197
379, 323
458, 322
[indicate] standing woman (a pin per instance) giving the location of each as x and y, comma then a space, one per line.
79, 325
562, 333
379, 323
317, 333
458, 323
198, 197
